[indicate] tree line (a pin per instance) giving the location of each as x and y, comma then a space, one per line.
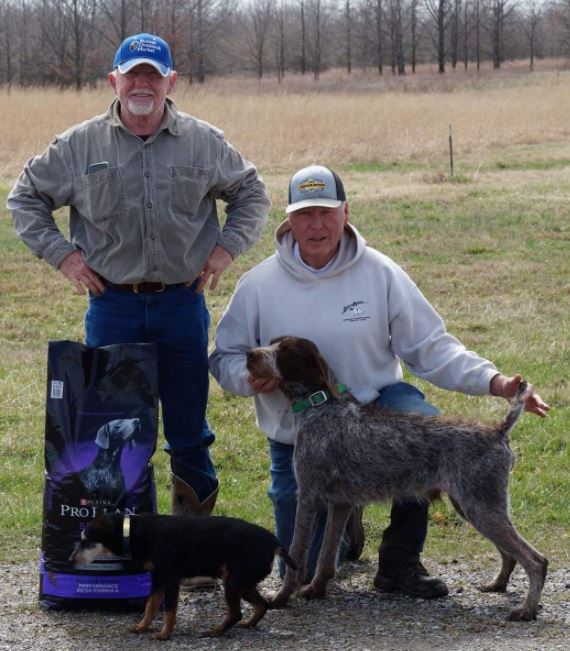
72, 42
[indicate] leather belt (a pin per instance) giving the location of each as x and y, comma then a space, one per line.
141, 288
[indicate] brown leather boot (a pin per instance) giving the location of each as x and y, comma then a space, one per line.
186, 502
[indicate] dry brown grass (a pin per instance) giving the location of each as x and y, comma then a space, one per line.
340, 120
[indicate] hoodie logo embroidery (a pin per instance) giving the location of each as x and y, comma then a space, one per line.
356, 311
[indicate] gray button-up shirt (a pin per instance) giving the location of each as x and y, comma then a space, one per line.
139, 210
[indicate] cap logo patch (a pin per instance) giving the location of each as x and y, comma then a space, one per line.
143, 46
312, 185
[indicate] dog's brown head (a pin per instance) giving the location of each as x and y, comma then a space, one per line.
295, 362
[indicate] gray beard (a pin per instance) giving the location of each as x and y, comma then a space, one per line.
140, 109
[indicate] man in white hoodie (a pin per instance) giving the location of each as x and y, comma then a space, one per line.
366, 316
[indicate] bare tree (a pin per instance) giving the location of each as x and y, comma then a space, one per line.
117, 13
206, 21
174, 23
501, 11
466, 34
303, 38
378, 19
146, 9
348, 20
7, 33
454, 39
397, 38
478, 33
414, 32
561, 17
532, 22
260, 13
280, 40
439, 12
317, 18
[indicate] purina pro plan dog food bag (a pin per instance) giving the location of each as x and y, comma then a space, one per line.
100, 435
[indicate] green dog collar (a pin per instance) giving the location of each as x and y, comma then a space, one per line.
316, 399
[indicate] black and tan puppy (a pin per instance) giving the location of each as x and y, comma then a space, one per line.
176, 547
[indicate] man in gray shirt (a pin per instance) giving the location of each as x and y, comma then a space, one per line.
141, 182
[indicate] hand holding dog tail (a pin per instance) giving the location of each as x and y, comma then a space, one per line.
517, 407
509, 388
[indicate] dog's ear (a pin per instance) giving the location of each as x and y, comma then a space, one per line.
102, 438
327, 375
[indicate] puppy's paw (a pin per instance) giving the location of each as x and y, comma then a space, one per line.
162, 635
214, 632
139, 628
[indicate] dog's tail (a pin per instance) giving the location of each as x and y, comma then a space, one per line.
285, 556
517, 407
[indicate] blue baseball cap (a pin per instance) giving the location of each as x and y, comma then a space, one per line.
315, 186
143, 48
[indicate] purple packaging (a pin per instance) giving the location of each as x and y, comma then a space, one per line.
100, 435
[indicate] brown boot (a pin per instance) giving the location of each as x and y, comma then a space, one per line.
186, 502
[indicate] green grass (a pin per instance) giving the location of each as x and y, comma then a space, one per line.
489, 251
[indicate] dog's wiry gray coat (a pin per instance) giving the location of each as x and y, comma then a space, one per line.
350, 454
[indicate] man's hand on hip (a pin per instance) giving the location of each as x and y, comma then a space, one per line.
73, 267
216, 264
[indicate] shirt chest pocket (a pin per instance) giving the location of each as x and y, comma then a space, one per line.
188, 188
105, 196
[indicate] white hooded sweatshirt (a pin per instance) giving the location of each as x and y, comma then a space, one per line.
365, 315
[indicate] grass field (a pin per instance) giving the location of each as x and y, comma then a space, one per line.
489, 247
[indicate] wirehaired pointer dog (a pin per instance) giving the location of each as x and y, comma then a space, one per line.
183, 546
103, 477
350, 454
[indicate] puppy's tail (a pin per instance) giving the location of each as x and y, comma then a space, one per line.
517, 407
285, 556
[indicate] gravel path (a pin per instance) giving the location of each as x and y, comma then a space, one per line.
353, 617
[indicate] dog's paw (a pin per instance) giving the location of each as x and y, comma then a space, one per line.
494, 586
312, 591
521, 615
162, 635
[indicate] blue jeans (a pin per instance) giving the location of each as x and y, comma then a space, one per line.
405, 536
177, 321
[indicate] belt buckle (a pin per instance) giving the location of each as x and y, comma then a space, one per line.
136, 287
